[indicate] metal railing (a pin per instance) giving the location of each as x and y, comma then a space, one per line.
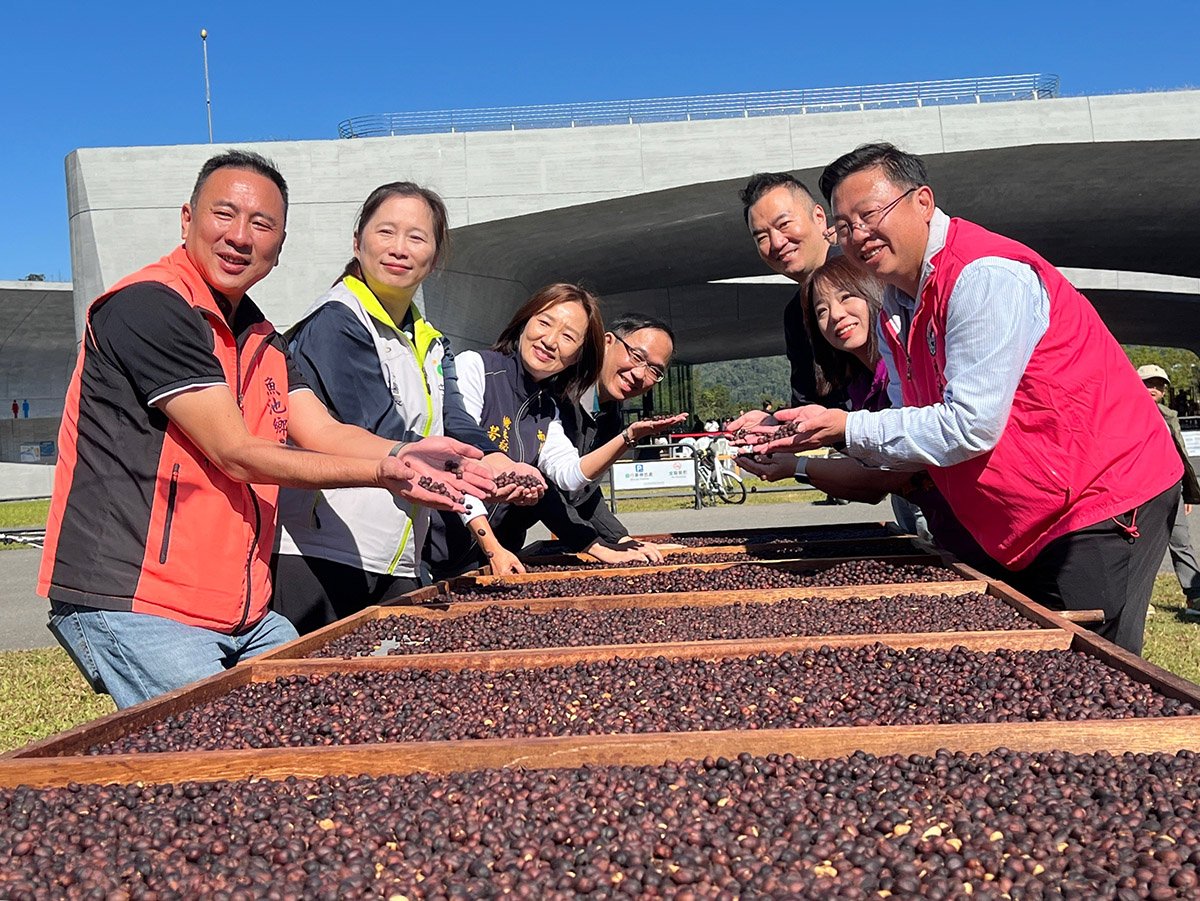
709, 106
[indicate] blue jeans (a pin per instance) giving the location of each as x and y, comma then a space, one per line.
1183, 558
138, 656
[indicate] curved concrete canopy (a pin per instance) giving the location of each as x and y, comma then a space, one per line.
1089, 181
742, 319
1123, 206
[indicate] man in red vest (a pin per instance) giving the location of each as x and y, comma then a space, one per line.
174, 442
1016, 398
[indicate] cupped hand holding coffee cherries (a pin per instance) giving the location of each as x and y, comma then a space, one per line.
436, 472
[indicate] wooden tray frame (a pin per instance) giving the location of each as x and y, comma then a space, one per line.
58, 760
791, 534
467, 582
1045, 618
883, 546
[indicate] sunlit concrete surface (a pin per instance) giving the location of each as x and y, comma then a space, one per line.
37, 345
648, 214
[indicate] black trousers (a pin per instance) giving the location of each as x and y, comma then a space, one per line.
312, 592
1103, 566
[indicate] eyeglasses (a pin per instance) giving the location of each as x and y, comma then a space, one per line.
844, 229
640, 362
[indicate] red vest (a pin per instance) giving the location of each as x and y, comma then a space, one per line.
1083, 440
200, 554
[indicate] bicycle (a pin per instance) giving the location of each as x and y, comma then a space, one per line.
717, 481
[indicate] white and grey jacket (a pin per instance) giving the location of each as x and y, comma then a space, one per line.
398, 383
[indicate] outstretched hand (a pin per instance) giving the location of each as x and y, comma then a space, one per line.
523, 485
437, 472
802, 428
504, 562
626, 551
648, 428
768, 467
750, 420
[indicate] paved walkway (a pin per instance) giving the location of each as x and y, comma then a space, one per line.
22, 612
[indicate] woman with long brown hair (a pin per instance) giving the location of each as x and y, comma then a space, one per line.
549, 354
841, 306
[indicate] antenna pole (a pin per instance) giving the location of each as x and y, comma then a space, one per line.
207, 92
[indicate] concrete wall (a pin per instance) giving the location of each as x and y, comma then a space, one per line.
124, 202
21, 482
17, 432
37, 345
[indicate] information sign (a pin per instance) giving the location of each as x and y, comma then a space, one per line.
632, 476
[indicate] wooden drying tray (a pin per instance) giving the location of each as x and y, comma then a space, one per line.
1058, 634
302, 647
808, 564
434, 598
873, 547
42, 763
972, 576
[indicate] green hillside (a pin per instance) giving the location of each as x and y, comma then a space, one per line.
727, 388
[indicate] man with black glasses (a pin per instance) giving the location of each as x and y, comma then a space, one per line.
1016, 398
637, 351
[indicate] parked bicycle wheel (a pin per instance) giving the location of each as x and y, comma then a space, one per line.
730, 487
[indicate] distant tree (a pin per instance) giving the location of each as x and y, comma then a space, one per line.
749, 382
1182, 366
714, 402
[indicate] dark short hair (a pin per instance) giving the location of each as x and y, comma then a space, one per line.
762, 182
240, 159
577, 378
834, 368
906, 170
628, 323
377, 198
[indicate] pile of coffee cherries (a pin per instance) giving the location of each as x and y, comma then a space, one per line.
524, 480
982, 826
734, 578
509, 628
873, 685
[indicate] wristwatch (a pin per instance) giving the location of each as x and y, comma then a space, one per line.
802, 471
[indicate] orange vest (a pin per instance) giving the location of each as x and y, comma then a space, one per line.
200, 554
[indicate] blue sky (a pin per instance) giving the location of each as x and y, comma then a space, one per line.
93, 75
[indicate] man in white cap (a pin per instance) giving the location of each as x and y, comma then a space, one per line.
1183, 558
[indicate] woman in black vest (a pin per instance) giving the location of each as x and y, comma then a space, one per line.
548, 354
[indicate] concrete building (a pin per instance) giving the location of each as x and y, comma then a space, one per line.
647, 214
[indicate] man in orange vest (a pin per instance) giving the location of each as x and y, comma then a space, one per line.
183, 417
1009, 389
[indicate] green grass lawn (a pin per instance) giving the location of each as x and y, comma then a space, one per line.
42, 693
755, 495
1172, 640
